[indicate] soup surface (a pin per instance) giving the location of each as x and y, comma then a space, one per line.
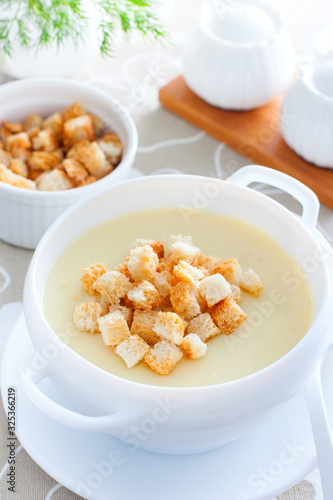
277, 319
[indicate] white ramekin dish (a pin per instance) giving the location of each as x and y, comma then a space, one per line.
191, 419
25, 214
239, 57
308, 105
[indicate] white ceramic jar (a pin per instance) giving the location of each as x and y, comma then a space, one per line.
307, 112
239, 57
194, 418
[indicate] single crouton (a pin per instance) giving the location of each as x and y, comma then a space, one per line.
142, 324
156, 245
7, 176
144, 296
5, 158
74, 170
203, 326
90, 155
235, 293
250, 282
193, 346
45, 140
74, 110
183, 301
213, 289
132, 350
182, 250
230, 270
33, 121
113, 328
113, 286
142, 263
227, 315
169, 326
208, 262
86, 316
55, 180
45, 160
163, 357
90, 275
112, 148
54, 122
19, 145
77, 129
183, 271
19, 167
124, 311
13, 128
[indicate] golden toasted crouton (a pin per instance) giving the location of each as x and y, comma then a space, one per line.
98, 124
165, 265
193, 346
183, 301
86, 316
55, 180
45, 140
78, 129
73, 111
33, 121
183, 271
113, 328
32, 133
142, 324
209, 262
156, 245
90, 155
203, 326
7, 176
132, 350
169, 326
13, 128
4, 134
235, 293
44, 160
2, 145
5, 158
183, 250
37, 175
74, 170
123, 268
87, 180
124, 311
163, 357
113, 286
230, 270
250, 282
54, 122
144, 296
19, 167
112, 148
142, 263
227, 315
213, 289
90, 275
19, 145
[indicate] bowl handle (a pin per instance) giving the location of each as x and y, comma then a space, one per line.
115, 423
256, 173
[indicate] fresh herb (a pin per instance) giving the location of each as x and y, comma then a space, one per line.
36, 23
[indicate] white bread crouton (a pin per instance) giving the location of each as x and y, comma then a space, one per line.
54, 122
7, 176
169, 326
132, 350
144, 296
213, 289
74, 110
86, 316
193, 346
112, 148
113, 328
142, 263
204, 327
230, 269
55, 180
78, 129
90, 155
19, 167
5, 158
156, 245
142, 324
75, 171
250, 282
183, 271
183, 300
113, 286
45, 160
33, 121
163, 357
235, 293
182, 250
227, 315
161, 283
124, 311
19, 145
45, 140
90, 274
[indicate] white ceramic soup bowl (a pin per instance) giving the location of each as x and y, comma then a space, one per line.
191, 419
26, 214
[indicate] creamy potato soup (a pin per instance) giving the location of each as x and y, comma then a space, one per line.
277, 319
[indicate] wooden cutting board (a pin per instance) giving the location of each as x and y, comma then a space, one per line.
254, 134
